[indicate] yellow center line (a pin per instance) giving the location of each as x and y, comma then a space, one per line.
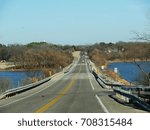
60, 95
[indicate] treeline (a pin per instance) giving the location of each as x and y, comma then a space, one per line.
123, 51
36, 55
42, 54
98, 57
101, 53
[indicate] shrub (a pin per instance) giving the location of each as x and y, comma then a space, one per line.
5, 84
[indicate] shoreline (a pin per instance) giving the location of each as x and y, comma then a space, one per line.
118, 60
122, 61
19, 70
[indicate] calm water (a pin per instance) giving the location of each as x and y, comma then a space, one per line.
18, 78
129, 70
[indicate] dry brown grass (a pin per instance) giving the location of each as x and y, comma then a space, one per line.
47, 72
34, 79
116, 77
98, 57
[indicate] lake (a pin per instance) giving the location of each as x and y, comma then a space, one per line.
19, 78
130, 71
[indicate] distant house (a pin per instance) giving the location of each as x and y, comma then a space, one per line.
114, 50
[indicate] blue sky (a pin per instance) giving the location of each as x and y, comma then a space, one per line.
71, 21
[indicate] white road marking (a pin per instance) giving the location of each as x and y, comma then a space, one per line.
91, 83
89, 78
99, 100
102, 105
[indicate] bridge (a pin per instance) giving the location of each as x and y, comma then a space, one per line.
75, 90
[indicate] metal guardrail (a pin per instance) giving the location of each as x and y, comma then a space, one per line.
126, 93
14, 91
101, 81
132, 98
104, 83
21, 89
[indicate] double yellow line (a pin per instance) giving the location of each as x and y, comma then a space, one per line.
60, 95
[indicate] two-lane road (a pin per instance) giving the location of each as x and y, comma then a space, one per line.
73, 92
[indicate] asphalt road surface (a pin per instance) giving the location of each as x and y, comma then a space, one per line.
74, 92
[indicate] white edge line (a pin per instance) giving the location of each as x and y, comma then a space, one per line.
99, 100
91, 83
89, 78
102, 105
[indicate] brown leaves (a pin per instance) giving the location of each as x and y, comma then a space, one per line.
42, 57
98, 57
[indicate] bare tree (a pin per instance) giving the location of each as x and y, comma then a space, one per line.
142, 36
